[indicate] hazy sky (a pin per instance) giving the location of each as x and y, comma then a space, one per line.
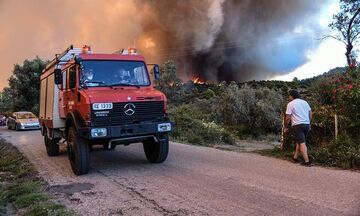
29, 29
328, 55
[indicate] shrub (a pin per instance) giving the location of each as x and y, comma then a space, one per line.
209, 94
342, 152
341, 93
194, 126
258, 109
170, 84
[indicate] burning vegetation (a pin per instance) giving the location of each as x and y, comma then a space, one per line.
198, 80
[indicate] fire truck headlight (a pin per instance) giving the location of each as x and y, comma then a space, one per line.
98, 132
164, 127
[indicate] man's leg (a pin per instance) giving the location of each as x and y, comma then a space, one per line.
296, 154
303, 150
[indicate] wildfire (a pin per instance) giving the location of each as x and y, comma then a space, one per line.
149, 43
197, 80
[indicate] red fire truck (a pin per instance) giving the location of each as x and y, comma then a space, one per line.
89, 99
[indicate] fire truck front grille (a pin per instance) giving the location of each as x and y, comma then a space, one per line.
130, 113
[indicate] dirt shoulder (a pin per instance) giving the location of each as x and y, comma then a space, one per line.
248, 146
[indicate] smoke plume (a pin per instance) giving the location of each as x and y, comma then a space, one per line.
233, 39
211, 39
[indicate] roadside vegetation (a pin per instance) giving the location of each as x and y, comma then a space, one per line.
208, 114
21, 191
224, 113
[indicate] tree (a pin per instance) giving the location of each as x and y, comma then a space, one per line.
169, 83
6, 101
347, 25
24, 86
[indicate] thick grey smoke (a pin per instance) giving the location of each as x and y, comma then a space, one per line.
214, 39
233, 39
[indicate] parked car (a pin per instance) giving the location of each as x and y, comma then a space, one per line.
2, 120
23, 121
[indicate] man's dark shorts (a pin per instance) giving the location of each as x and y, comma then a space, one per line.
300, 132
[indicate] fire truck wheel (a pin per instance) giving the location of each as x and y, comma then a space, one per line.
52, 146
78, 153
156, 152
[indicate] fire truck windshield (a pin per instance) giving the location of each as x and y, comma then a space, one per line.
113, 73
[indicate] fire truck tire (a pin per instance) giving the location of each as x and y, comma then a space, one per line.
52, 146
78, 152
156, 152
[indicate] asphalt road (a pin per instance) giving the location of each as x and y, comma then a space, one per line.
193, 181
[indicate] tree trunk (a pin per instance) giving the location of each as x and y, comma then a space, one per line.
349, 48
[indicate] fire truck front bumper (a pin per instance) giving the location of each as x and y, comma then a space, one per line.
123, 131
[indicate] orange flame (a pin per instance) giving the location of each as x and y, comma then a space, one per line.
197, 80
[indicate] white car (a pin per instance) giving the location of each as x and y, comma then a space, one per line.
23, 121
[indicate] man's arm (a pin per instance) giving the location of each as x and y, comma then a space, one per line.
287, 120
288, 115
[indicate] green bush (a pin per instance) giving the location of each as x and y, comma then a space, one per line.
339, 94
194, 126
170, 84
257, 109
209, 94
321, 155
343, 152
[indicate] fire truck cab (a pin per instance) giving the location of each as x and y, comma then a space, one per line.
89, 99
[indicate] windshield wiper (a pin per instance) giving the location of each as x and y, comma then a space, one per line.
95, 82
101, 83
125, 84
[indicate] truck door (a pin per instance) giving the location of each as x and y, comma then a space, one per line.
62, 96
71, 92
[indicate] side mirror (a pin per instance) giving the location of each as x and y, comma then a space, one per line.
156, 72
58, 76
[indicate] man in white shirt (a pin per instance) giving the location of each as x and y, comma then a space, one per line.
298, 112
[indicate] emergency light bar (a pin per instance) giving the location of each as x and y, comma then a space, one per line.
86, 49
129, 51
